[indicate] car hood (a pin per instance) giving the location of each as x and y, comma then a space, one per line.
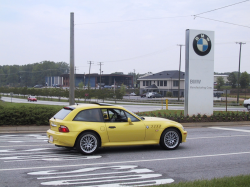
157, 119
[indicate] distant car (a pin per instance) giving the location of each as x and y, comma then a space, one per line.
247, 104
132, 94
56, 85
149, 94
90, 126
38, 86
143, 95
156, 96
32, 98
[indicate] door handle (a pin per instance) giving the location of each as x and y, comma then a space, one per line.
112, 127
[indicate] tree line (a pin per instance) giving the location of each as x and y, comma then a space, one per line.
232, 78
31, 74
60, 92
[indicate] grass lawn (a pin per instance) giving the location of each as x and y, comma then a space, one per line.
19, 105
238, 181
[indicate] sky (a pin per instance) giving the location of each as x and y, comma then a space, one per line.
125, 35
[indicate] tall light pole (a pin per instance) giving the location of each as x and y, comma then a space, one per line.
239, 72
71, 75
179, 72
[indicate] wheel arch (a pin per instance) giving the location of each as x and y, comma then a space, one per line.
100, 142
171, 127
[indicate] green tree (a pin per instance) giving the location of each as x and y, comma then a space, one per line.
220, 82
232, 79
244, 80
81, 85
123, 89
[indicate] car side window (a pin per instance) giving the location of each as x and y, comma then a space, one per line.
114, 115
133, 118
91, 115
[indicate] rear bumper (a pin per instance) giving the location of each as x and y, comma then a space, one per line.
62, 139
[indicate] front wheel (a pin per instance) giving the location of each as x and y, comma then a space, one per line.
170, 139
87, 143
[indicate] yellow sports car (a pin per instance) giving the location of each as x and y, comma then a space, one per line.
90, 126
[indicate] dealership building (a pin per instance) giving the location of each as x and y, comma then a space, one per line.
95, 79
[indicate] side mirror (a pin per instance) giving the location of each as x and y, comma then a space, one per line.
105, 116
129, 121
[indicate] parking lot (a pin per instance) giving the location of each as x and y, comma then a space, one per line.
29, 160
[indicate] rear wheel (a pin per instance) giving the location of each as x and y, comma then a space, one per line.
170, 139
87, 143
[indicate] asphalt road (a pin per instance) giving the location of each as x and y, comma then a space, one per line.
134, 107
28, 160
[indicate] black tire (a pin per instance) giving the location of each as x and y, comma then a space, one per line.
87, 143
170, 139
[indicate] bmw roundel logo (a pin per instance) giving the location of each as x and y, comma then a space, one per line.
202, 44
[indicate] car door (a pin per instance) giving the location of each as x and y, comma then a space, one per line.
120, 130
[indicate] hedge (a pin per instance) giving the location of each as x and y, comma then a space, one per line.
216, 117
26, 115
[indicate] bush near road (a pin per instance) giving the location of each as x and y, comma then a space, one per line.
26, 114
218, 116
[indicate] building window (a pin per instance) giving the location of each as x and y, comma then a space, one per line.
176, 83
158, 83
165, 83
143, 83
146, 83
161, 83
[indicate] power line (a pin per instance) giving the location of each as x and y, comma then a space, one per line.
223, 22
145, 19
221, 8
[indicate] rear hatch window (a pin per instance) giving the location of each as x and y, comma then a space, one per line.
63, 113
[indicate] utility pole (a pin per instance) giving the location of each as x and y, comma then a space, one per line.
239, 72
71, 75
75, 75
179, 72
134, 79
89, 73
100, 63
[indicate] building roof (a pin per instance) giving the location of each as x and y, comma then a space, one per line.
174, 74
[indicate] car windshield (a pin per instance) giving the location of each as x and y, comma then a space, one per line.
137, 115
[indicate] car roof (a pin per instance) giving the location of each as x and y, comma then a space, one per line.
93, 105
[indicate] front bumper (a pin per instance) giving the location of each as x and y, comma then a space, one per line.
184, 136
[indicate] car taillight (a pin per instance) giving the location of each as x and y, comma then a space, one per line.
63, 129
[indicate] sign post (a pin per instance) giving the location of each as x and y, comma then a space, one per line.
199, 72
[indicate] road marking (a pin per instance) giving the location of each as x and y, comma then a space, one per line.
117, 176
27, 145
229, 129
216, 137
134, 161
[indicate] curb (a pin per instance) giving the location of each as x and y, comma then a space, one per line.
43, 129
213, 124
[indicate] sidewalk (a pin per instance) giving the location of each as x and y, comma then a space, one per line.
43, 129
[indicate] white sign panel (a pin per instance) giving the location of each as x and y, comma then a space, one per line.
199, 72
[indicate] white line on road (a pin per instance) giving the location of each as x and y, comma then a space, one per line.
133, 161
216, 137
229, 129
